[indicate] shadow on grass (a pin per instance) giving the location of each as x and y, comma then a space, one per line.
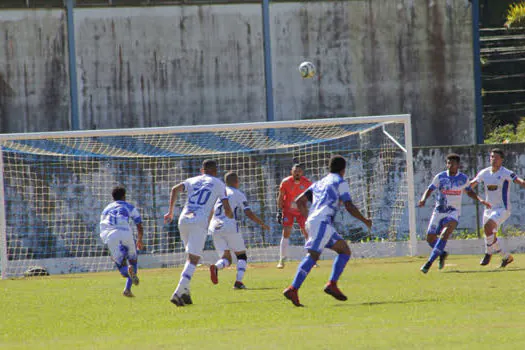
486, 271
390, 302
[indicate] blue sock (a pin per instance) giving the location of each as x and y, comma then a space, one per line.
438, 250
302, 271
338, 266
128, 283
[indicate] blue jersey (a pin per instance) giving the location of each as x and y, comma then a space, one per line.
116, 217
449, 191
326, 194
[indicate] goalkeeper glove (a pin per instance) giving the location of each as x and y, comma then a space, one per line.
279, 217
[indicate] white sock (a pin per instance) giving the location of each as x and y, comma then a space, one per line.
285, 242
498, 248
241, 269
222, 263
185, 278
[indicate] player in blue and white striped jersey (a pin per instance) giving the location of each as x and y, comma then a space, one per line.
203, 191
225, 231
325, 196
496, 179
450, 186
116, 233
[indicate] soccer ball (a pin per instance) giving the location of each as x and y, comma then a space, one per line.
307, 69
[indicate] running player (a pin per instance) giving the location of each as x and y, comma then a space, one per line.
225, 231
496, 179
450, 185
203, 191
116, 233
325, 195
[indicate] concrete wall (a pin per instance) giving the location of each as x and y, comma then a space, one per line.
378, 57
34, 83
163, 66
179, 65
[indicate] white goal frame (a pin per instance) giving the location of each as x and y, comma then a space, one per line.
400, 118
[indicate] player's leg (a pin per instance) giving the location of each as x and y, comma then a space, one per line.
194, 237
339, 245
319, 233
492, 222
221, 245
132, 257
446, 226
301, 221
118, 254
242, 262
285, 238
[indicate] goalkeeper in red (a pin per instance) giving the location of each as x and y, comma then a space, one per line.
116, 233
291, 187
325, 196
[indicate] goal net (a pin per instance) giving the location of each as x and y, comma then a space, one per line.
56, 184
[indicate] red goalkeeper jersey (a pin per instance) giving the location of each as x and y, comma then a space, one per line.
291, 190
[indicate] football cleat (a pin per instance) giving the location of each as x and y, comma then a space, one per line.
133, 275
214, 272
331, 289
127, 293
506, 261
239, 285
291, 294
486, 260
426, 267
177, 300
280, 265
442, 258
186, 298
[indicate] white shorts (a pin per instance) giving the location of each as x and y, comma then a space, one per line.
121, 246
193, 236
226, 236
439, 220
498, 215
321, 235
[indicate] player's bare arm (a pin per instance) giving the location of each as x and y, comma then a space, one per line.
168, 217
249, 213
227, 208
475, 196
280, 199
140, 234
519, 181
352, 209
424, 198
302, 203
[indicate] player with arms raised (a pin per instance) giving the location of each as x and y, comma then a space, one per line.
496, 179
116, 233
203, 191
290, 188
325, 196
225, 231
450, 185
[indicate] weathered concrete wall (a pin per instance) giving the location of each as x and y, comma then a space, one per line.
378, 57
175, 65
34, 85
179, 65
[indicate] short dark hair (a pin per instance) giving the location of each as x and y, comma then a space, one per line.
337, 163
453, 156
498, 151
230, 177
298, 165
118, 193
209, 164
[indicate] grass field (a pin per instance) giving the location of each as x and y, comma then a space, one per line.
391, 305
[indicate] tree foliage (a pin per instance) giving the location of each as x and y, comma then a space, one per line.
516, 16
507, 133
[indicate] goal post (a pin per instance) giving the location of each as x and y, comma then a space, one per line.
55, 185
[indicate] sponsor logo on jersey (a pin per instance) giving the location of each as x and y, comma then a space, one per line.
492, 187
451, 192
